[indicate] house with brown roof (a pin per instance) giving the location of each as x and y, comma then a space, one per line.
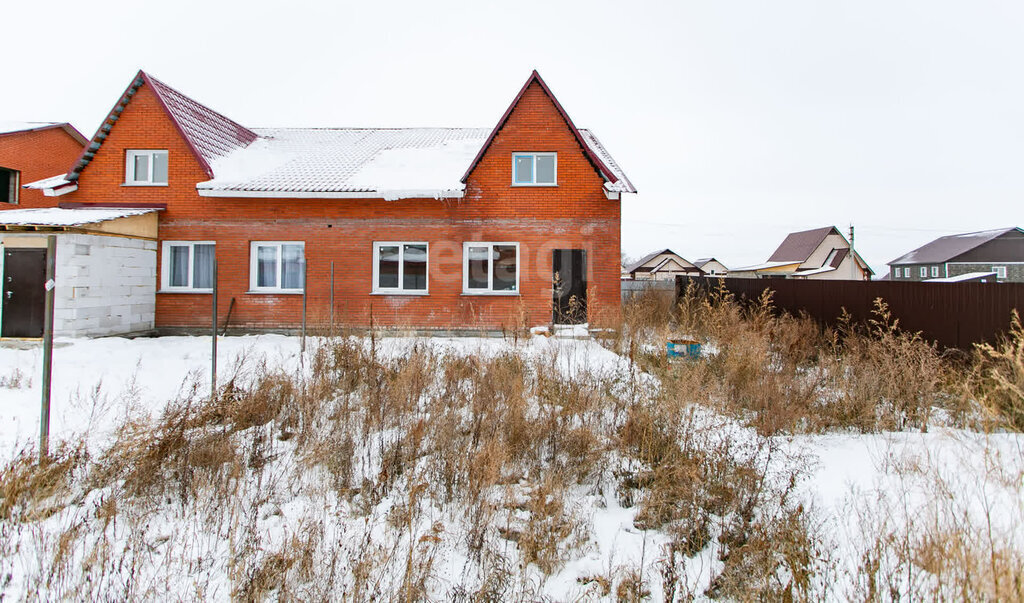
663, 264
427, 228
989, 256
820, 254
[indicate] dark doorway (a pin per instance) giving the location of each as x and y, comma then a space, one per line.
569, 284
24, 293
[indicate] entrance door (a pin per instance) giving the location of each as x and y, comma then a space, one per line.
23, 293
569, 283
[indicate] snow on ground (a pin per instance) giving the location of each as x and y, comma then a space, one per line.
96, 380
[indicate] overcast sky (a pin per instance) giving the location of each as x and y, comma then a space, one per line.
738, 121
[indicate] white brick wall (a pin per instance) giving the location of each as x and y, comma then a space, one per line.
105, 285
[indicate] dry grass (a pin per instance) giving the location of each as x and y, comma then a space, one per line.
356, 477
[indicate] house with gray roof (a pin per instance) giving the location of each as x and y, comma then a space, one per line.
711, 266
988, 255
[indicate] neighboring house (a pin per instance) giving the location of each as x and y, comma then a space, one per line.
445, 228
664, 264
998, 252
711, 267
820, 254
30, 151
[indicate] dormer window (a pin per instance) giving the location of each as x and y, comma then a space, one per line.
534, 169
8, 186
146, 168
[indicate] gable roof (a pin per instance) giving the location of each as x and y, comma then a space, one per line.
206, 132
611, 177
702, 261
798, 246
944, 249
18, 127
650, 256
389, 163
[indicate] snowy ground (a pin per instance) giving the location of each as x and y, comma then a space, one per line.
95, 380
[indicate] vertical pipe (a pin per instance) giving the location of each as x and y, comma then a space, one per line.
213, 340
332, 299
302, 345
44, 417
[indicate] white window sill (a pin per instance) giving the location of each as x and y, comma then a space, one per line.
401, 293
275, 292
491, 293
536, 185
144, 184
199, 291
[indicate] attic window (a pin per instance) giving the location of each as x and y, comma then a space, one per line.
146, 168
8, 186
534, 169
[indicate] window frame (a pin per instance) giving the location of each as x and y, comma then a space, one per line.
165, 266
376, 289
14, 188
254, 268
1000, 271
490, 268
129, 166
534, 155
935, 272
923, 272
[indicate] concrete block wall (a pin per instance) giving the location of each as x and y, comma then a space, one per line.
105, 286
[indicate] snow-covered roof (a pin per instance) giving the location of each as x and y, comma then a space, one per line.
392, 163
49, 183
970, 276
54, 216
946, 248
765, 266
389, 163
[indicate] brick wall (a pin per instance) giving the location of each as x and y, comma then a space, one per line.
37, 155
575, 214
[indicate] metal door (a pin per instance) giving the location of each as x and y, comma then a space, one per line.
24, 294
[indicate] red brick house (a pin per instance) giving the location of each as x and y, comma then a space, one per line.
30, 151
440, 228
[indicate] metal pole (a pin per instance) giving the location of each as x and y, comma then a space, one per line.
853, 256
302, 349
44, 418
332, 298
213, 341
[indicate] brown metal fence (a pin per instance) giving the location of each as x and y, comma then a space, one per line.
953, 314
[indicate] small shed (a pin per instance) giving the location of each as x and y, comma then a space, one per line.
105, 273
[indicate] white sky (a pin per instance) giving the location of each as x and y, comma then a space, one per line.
738, 120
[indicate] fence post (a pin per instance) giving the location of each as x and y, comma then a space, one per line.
302, 345
213, 340
44, 416
332, 299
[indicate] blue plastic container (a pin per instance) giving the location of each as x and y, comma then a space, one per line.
683, 348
